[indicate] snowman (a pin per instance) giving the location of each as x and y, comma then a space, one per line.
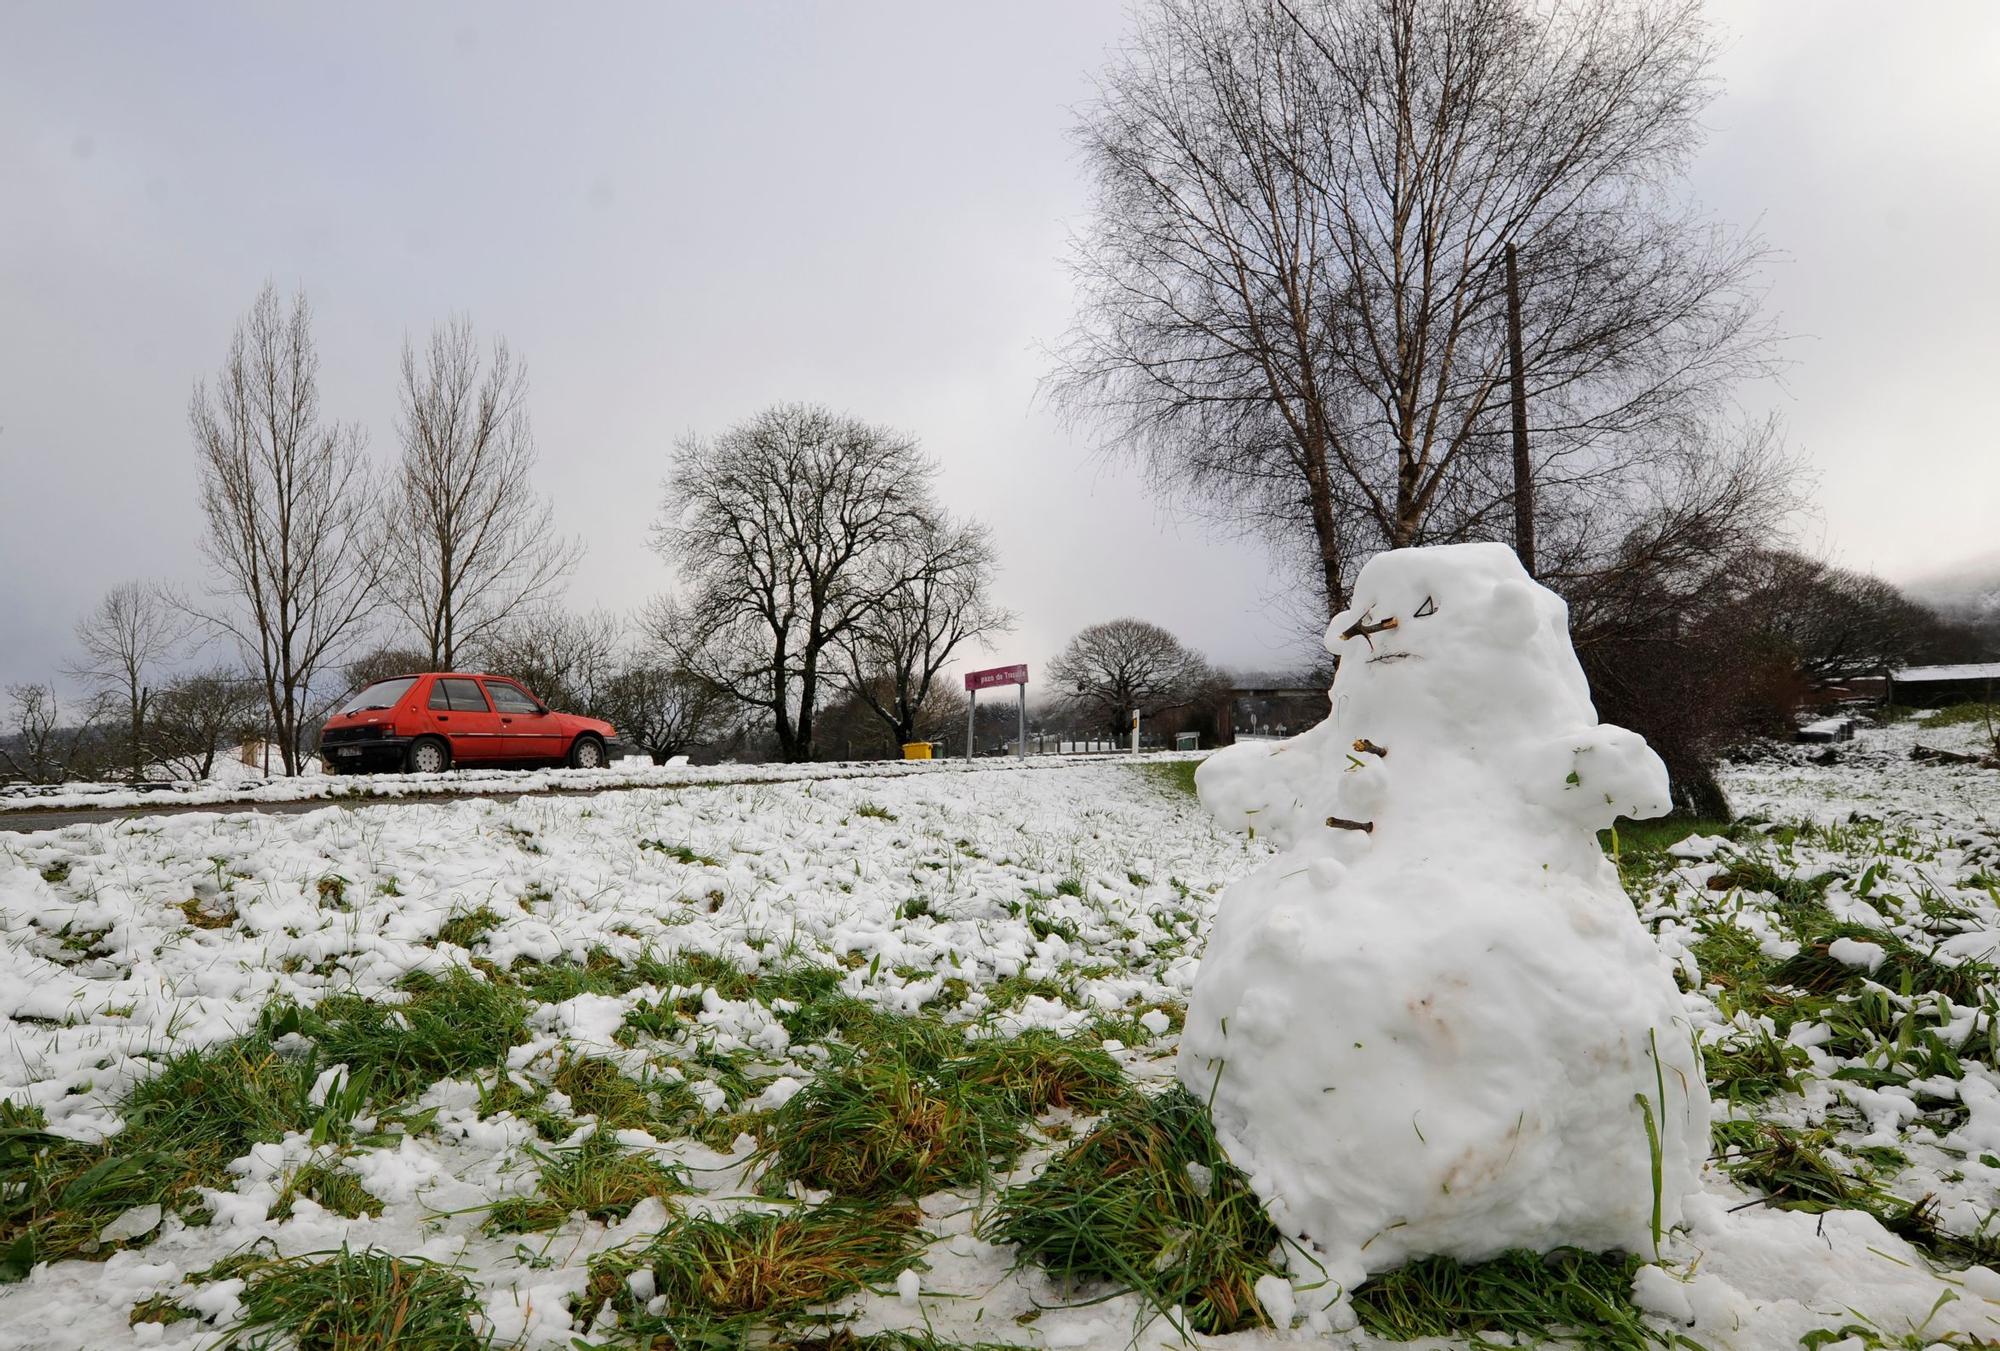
1432, 1023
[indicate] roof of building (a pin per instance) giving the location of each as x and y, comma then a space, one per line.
1973, 670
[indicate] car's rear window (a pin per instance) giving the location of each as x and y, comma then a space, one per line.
458, 694
381, 694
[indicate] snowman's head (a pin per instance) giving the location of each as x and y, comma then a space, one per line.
1456, 634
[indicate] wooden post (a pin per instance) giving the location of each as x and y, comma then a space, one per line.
1524, 474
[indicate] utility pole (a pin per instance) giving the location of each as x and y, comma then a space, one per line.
1524, 473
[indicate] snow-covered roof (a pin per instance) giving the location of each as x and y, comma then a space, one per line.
1973, 670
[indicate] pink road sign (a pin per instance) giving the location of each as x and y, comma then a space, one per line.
997, 675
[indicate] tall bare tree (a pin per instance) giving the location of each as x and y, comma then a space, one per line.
289, 507
1293, 281
124, 640
781, 530
1109, 669
897, 650
468, 542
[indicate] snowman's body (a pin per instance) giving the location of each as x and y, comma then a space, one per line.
1433, 1035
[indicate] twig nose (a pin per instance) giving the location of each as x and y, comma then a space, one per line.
1361, 628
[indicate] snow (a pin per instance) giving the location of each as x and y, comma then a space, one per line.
1446, 1033
796, 864
1917, 675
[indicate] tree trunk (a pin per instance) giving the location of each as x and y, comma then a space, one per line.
1524, 480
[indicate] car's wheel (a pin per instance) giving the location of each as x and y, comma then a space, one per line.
427, 755
587, 752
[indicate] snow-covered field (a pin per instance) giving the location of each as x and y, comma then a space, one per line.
454, 1032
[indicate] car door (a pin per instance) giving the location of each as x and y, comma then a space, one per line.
527, 730
459, 710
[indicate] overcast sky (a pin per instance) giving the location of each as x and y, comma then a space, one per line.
678, 214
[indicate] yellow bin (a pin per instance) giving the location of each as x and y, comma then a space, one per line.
916, 750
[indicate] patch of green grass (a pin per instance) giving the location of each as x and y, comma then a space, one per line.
872, 1128
1958, 715
331, 1186
1748, 1068
1176, 776
1802, 1170
529, 1105
360, 1301
1903, 968
879, 813
680, 853
1011, 992
55, 874
1801, 900
1124, 1205
446, 1028
183, 1127
1532, 1296
719, 1278
1639, 848
1040, 1071
467, 927
598, 1088
600, 1178
160, 1309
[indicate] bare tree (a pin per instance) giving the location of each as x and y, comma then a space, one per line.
199, 716
569, 659
1293, 283
1109, 669
896, 651
1831, 623
42, 749
781, 531
132, 630
468, 543
1653, 591
665, 712
289, 507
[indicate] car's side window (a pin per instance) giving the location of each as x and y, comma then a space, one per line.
510, 698
458, 695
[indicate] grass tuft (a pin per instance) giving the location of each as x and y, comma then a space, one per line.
1039, 1071
447, 1028
711, 1279
1531, 1296
467, 927
160, 1309
360, 1301
1149, 1201
331, 1186
600, 1179
871, 1128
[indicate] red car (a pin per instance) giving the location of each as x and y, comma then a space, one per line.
426, 723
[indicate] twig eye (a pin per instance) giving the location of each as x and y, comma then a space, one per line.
1426, 610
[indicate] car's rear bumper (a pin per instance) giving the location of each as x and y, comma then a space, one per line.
376, 752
